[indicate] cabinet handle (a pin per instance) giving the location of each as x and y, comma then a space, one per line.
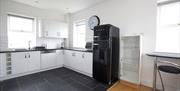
95, 44
83, 55
25, 56
96, 36
29, 56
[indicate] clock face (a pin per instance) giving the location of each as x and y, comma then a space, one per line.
93, 21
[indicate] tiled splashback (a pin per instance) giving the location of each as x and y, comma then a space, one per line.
50, 42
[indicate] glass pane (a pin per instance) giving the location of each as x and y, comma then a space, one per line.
20, 39
168, 40
170, 14
20, 32
168, 32
20, 24
79, 35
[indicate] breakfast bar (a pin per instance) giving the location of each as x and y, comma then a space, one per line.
161, 55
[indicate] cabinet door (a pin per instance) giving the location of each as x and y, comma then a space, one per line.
60, 57
74, 60
79, 61
33, 61
54, 29
67, 58
48, 60
19, 62
3, 64
87, 62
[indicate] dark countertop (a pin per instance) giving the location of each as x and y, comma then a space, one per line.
165, 55
26, 50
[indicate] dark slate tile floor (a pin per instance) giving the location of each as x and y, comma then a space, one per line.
61, 79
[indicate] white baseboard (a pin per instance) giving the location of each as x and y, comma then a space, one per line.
147, 83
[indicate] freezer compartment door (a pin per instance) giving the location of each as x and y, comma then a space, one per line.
101, 62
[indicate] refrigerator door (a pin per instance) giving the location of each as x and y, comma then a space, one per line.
106, 53
101, 61
101, 33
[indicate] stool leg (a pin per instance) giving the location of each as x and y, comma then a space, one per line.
161, 80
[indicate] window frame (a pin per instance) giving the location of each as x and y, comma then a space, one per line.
74, 30
34, 26
159, 27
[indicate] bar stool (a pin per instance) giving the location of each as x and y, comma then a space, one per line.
172, 68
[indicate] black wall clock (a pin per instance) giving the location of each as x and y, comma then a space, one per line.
93, 21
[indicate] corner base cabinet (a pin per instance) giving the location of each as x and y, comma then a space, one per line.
79, 61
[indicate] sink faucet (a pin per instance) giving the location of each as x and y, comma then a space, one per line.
29, 45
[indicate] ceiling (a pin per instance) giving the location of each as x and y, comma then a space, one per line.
68, 6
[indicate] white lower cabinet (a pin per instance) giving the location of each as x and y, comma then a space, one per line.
81, 61
60, 57
68, 58
25, 62
16, 63
3, 64
87, 62
34, 61
19, 62
48, 60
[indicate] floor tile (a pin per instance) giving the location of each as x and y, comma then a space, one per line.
100, 88
79, 87
10, 85
57, 82
61, 79
45, 87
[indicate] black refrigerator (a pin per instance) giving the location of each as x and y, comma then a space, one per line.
106, 54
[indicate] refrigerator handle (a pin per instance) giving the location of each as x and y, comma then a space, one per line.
83, 55
96, 36
95, 44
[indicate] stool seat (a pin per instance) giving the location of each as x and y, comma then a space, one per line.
169, 69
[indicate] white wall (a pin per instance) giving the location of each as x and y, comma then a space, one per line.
9, 6
132, 17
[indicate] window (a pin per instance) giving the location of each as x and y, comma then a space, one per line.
168, 28
21, 32
79, 34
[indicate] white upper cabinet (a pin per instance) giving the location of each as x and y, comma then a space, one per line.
53, 29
